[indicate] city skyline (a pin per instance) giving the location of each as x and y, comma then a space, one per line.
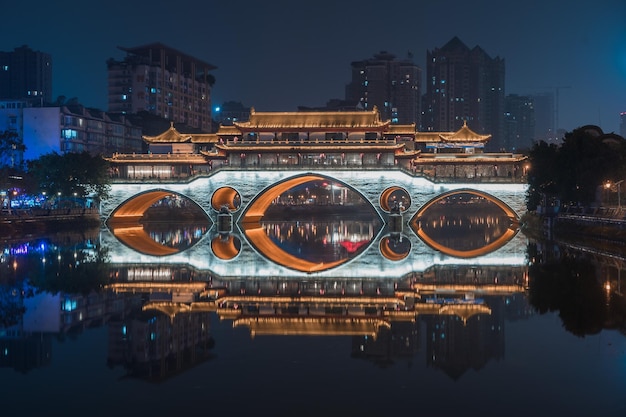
273, 58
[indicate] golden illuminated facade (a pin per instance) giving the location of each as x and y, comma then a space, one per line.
319, 140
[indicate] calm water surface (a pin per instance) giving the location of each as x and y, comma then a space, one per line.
85, 334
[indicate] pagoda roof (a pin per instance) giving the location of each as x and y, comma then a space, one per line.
320, 121
463, 135
171, 135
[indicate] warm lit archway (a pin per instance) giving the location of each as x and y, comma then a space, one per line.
509, 233
135, 237
226, 247
389, 250
130, 211
226, 196
386, 195
511, 214
273, 252
257, 208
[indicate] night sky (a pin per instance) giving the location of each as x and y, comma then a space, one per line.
278, 54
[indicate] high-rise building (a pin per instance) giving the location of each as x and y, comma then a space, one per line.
393, 86
26, 75
622, 124
519, 122
544, 117
464, 84
162, 81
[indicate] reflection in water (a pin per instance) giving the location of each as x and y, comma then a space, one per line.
176, 236
161, 318
322, 241
465, 224
153, 346
170, 225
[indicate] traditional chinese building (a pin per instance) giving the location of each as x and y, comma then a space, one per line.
318, 140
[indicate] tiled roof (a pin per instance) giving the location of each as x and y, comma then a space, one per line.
171, 135
314, 121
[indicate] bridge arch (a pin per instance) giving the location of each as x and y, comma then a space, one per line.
259, 204
226, 247
226, 196
511, 214
510, 232
395, 248
386, 195
257, 237
132, 209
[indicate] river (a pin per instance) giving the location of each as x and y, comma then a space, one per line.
138, 322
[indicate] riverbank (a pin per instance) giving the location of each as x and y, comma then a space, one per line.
20, 223
605, 233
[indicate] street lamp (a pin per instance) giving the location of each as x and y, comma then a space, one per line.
619, 197
618, 185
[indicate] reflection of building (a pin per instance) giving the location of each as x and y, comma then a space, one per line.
155, 346
401, 341
456, 346
25, 352
463, 304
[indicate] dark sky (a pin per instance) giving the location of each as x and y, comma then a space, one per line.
278, 54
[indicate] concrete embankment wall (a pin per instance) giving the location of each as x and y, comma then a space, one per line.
31, 221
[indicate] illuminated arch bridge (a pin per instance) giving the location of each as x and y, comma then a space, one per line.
248, 193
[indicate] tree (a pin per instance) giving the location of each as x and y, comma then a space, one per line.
573, 171
11, 149
79, 174
542, 174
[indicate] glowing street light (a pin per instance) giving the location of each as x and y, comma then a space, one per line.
618, 185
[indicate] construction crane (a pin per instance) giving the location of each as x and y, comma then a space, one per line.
556, 104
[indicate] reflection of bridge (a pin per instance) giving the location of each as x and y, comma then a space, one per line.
349, 307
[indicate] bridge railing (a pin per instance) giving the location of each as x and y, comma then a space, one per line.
188, 177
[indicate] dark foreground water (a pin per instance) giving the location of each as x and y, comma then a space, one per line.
70, 345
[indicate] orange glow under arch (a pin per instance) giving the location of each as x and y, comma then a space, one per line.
136, 238
224, 248
384, 197
504, 207
506, 236
388, 253
257, 208
130, 211
224, 196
